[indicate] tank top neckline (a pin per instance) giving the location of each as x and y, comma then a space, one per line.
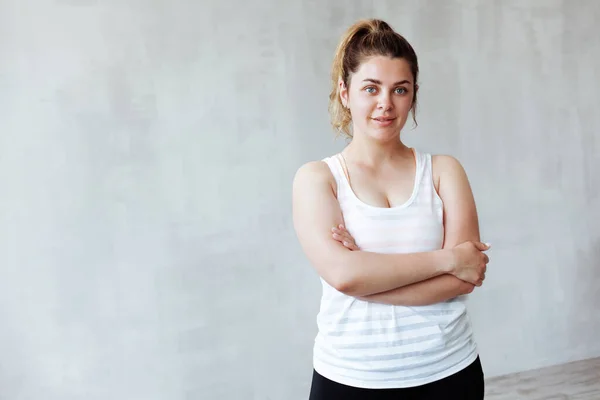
408, 202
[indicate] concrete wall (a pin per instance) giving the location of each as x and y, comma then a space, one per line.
147, 150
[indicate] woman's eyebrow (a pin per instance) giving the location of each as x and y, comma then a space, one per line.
378, 82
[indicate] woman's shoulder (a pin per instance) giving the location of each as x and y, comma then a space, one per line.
447, 170
316, 171
445, 167
445, 161
437, 158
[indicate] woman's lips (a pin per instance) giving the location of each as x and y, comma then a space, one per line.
384, 121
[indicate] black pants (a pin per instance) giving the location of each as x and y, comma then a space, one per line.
464, 385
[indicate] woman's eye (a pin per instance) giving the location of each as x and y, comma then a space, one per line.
370, 89
401, 90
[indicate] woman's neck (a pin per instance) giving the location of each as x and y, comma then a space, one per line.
373, 153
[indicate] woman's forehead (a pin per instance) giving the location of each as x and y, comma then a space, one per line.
384, 69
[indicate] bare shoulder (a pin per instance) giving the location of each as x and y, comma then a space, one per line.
313, 172
313, 169
445, 162
446, 168
460, 212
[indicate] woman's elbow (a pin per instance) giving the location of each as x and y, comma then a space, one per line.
341, 279
350, 284
344, 285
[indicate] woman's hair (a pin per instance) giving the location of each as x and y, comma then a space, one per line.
365, 38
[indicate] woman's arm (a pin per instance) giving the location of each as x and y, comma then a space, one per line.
431, 291
359, 273
460, 225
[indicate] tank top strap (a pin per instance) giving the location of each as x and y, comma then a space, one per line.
427, 175
335, 166
427, 191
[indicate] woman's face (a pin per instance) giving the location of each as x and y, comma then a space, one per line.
380, 97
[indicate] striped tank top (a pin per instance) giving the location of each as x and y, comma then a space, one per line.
371, 345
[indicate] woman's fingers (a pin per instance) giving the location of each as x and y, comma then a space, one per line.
342, 235
347, 241
345, 234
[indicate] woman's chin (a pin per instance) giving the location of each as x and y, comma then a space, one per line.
384, 134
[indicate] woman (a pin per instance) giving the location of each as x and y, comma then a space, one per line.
393, 234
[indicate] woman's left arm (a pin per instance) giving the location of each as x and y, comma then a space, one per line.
461, 224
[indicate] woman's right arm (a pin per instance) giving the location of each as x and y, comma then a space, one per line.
359, 273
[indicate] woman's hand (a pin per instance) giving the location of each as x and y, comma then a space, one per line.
340, 234
470, 263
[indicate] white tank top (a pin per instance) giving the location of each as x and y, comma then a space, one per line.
370, 345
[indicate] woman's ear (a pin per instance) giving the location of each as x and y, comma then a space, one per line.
343, 90
415, 94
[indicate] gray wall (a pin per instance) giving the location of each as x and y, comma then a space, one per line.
147, 150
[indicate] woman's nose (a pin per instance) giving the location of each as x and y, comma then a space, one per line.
384, 102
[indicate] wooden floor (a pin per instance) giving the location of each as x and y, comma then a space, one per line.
574, 381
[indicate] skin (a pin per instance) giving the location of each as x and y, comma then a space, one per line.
381, 170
